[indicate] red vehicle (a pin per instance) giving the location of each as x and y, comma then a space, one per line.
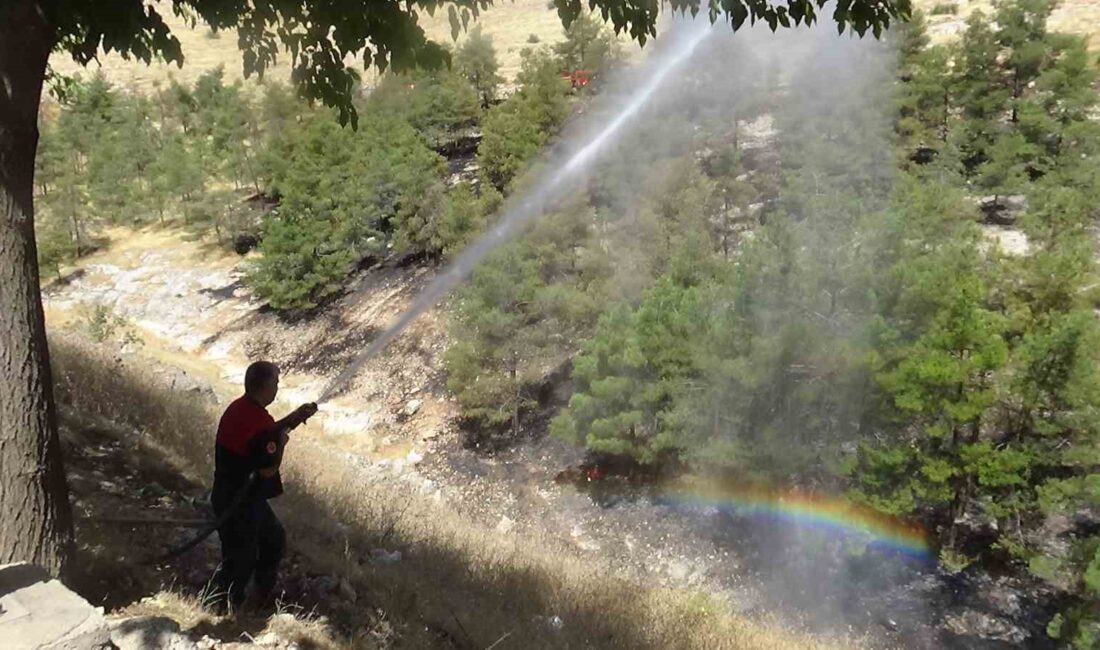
577, 78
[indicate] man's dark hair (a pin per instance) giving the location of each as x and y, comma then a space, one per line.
258, 374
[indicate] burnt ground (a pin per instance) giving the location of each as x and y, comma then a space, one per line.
764, 567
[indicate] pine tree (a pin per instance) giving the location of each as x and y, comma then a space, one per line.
588, 45
925, 102
439, 104
630, 374
735, 196
343, 199
520, 318
978, 85
464, 217
1005, 170
476, 60
1022, 33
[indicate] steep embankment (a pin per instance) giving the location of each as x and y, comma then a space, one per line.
189, 309
388, 453
495, 550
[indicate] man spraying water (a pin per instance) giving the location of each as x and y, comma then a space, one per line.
248, 452
250, 443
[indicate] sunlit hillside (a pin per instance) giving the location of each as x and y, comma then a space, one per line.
512, 25
947, 18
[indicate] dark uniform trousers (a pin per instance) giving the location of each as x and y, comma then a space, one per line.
253, 543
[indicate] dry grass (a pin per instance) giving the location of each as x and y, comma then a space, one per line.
458, 583
1070, 16
195, 619
509, 23
189, 611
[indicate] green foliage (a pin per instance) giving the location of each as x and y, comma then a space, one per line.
518, 319
631, 372
102, 325
344, 197
980, 92
438, 104
1007, 418
476, 60
1004, 170
542, 91
514, 131
509, 142
110, 157
55, 245
925, 103
589, 45
464, 217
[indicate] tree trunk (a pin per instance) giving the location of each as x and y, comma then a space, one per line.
35, 520
515, 385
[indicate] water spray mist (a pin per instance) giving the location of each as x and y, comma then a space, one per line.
534, 202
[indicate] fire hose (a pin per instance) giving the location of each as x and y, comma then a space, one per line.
239, 499
208, 526
234, 505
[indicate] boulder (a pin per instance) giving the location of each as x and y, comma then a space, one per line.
37, 611
1002, 210
972, 623
245, 242
412, 407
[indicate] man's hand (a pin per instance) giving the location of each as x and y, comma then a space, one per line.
297, 417
304, 412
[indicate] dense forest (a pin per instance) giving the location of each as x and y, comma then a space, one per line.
785, 315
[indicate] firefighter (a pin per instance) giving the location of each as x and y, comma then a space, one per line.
247, 453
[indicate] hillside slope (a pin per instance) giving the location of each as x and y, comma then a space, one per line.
510, 24
181, 332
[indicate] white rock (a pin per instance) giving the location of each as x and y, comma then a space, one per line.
39, 612
381, 556
505, 525
268, 639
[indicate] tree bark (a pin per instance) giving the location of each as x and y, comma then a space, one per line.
35, 519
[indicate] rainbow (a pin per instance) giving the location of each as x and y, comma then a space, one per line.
831, 514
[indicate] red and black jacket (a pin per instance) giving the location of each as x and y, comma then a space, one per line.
247, 441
